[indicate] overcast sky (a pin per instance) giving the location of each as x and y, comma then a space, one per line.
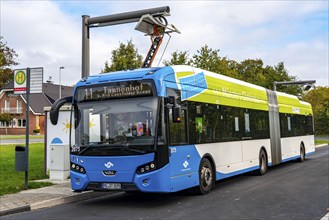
48, 33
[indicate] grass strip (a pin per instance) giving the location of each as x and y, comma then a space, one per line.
12, 181
12, 137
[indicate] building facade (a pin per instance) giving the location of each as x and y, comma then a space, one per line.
15, 106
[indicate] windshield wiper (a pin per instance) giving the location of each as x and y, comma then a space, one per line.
134, 150
87, 148
108, 147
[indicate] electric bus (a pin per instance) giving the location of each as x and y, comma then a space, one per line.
171, 128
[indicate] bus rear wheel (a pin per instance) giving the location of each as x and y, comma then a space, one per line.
262, 163
302, 154
206, 177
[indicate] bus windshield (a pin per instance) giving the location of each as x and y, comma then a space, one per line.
115, 127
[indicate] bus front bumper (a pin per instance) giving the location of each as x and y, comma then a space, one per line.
155, 181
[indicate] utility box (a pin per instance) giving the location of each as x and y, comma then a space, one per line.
21, 158
59, 161
57, 144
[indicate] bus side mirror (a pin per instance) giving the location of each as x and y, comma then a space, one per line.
54, 111
176, 114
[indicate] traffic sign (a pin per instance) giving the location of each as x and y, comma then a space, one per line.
20, 80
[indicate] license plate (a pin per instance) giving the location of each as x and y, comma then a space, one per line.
111, 186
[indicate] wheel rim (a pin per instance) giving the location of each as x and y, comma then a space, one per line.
206, 176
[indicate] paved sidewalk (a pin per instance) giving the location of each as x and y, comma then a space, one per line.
33, 199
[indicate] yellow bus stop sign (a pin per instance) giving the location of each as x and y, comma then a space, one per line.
20, 81
20, 77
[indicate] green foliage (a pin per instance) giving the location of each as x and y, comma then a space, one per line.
319, 99
13, 137
36, 131
178, 58
5, 117
250, 70
12, 181
7, 60
123, 58
318, 142
206, 58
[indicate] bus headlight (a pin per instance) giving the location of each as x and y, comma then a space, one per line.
146, 168
77, 168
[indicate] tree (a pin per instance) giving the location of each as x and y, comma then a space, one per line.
123, 58
252, 71
281, 74
178, 58
319, 99
6, 118
206, 58
7, 60
209, 59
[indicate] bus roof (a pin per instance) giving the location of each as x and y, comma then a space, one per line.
205, 86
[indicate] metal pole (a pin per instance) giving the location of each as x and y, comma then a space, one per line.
127, 17
85, 63
285, 83
274, 86
27, 125
60, 82
108, 20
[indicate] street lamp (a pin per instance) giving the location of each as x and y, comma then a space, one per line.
60, 85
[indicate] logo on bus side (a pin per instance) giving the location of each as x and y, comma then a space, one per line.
108, 165
185, 165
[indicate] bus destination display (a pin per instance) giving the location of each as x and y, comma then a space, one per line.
128, 89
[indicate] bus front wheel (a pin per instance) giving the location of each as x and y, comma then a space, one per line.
206, 177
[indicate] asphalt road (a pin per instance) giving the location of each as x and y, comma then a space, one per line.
292, 190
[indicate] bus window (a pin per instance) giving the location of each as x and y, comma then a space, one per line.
236, 124
94, 128
246, 123
310, 128
178, 131
289, 123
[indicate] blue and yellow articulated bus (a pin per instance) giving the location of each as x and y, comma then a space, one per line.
171, 128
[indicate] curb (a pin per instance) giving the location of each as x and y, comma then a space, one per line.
15, 210
68, 199
54, 202
321, 145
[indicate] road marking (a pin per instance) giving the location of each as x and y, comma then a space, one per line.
326, 217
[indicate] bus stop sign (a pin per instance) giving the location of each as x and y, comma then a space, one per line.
20, 81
